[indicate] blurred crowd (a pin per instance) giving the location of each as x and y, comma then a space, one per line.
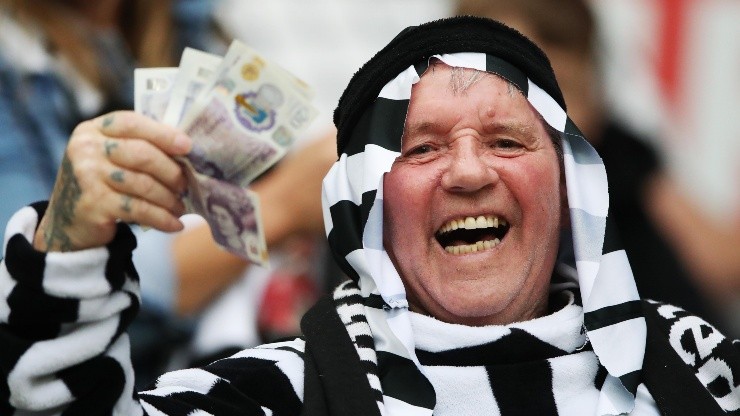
64, 61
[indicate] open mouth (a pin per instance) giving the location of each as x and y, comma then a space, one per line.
472, 234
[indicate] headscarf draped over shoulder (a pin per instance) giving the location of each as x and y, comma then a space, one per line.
370, 119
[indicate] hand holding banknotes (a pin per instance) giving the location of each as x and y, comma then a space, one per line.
117, 167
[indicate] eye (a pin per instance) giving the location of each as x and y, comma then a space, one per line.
506, 144
420, 150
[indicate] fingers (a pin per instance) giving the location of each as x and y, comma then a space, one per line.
118, 166
131, 209
142, 186
142, 157
127, 124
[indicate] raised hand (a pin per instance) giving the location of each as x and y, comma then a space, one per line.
117, 167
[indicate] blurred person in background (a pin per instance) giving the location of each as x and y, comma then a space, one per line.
64, 61
676, 253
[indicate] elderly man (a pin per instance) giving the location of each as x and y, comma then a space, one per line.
470, 214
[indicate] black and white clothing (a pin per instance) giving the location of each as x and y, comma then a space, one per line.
602, 351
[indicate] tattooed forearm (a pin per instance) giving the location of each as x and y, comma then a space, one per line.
66, 196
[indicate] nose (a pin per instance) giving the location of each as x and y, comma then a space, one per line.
468, 170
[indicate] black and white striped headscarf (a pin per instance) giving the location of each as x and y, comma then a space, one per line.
370, 119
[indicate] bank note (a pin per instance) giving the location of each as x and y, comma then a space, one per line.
232, 213
247, 118
242, 113
196, 70
152, 90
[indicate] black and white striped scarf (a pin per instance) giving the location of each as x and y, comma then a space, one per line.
370, 140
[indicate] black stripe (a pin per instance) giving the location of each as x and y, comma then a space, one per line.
381, 124
517, 346
36, 315
368, 200
612, 241
120, 264
402, 380
508, 71
218, 402
376, 301
346, 236
421, 67
631, 381
523, 389
96, 385
291, 349
264, 381
610, 315
23, 260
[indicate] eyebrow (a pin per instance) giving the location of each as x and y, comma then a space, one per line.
513, 128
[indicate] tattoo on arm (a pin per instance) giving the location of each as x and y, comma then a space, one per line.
65, 201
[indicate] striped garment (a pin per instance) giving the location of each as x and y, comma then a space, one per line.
75, 361
64, 315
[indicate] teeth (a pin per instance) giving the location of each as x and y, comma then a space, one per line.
473, 248
471, 223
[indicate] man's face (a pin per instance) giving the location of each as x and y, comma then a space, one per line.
475, 159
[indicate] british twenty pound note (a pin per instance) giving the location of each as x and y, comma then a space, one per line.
247, 119
152, 90
233, 215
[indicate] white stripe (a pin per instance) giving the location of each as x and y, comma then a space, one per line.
193, 379
151, 410
587, 271
91, 310
384, 338
614, 398
548, 108
325, 204
614, 283
7, 284
586, 185
347, 311
200, 412
121, 352
644, 403
620, 346
374, 382
76, 274
400, 87
573, 383
358, 328
267, 411
357, 260
386, 277
23, 222
376, 161
367, 354
472, 60
351, 176
394, 406
33, 381
463, 391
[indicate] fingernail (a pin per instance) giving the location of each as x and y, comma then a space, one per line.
182, 142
